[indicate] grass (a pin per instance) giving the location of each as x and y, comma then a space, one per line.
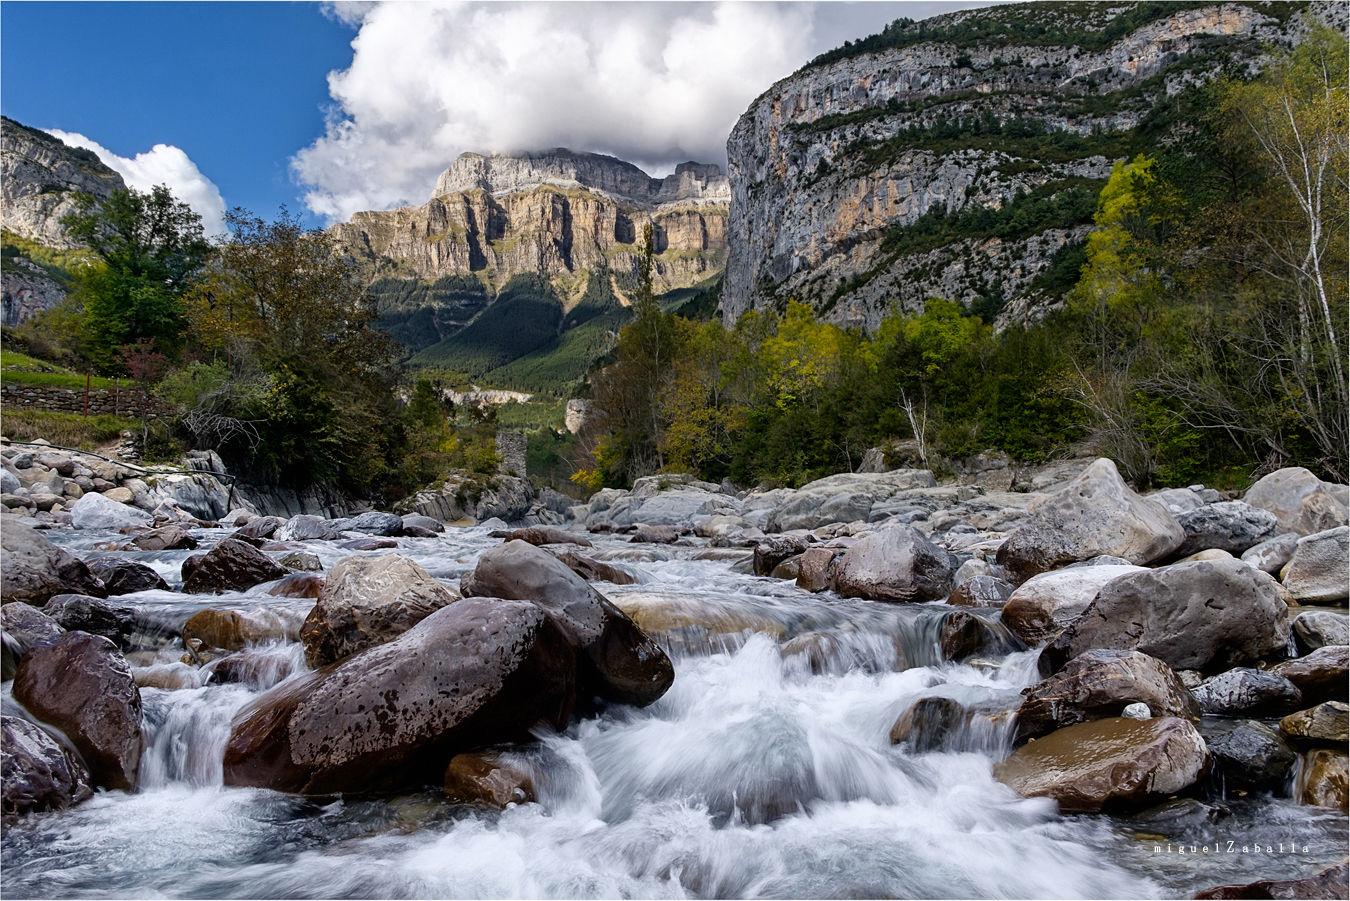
65, 429
21, 369
532, 415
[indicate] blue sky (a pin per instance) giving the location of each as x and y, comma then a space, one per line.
241, 94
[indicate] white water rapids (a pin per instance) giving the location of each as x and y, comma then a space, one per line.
755, 776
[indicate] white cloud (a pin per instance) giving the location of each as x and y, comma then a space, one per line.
163, 164
652, 83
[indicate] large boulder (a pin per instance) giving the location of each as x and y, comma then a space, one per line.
1248, 692
27, 625
126, 576
1315, 629
1096, 514
895, 564
478, 672
259, 529
594, 570
367, 601
82, 613
1109, 763
376, 523
1301, 501
811, 510
306, 527
1328, 884
234, 630
1253, 756
1329, 722
1210, 615
619, 662
36, 773
816, 566
426, 523
1044, 605
167, 538
35, 569
95, 511
1323, 675
80, 684
1318, 571
1229, 526
1325, 780
538, 535
1271, 555
1101, 684
231, 565
981, 591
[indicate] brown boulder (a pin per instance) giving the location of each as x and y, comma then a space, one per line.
1331, 883
231, 565
488, 778
1323, 675
232, 630
126, 576
595, 571
538, 535
1325, 780
366, 601
35, 569
1328, 722
815, 569
1108, 763
299, 585
478, 672
896, 564
80, 684
259, 529
168, 538
929, 724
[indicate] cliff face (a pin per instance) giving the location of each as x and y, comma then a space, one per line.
557, 213
39, 176
828, 162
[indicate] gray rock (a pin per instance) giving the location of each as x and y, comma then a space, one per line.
1178, 500
1323, 675
307, 528
774, 549
302, 561
1315, 629
94, 511
981, 591
413, 520
126, 576
27, 625
1209, 616
1248, 692
1137, 711
1044, 605
82, 613
36, 773
1271, 555
259, 529
1301, 501
1319, 572
167, 538
1253, 756
896, 564
9, 483
1096, 514
1229, 526
35, 569
375, 523
815, 568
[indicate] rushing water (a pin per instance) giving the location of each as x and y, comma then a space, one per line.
766, 771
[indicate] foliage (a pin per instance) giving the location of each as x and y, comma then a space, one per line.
525, 316
419, 314
60, 264
67, 429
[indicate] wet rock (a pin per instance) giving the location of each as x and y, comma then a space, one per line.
1100, 684
98, 511
1301, 501
619, 662
655, 535
82, 613
387, 525
1208, 616
126, 576
895, 564
929, 724
981, 591
168, 538
962, 636
1315, 629
81, 685
774, 549
1248, 692
417, 521
231, 565
810, 510
28, 625
694, 624
36, 773
234, 630
1271, 555
538, 535
35, 569
367, 601
1096, 514
1330, 883
1228, 526
1108, 763
1253, 756
1044, 605
594, 570
488, 778
258, 670
1325, 780
304, 561
307, 528
259, 529
1327, 722
1316, 574
1137, 711
298, 585
481, 671
1179, 815
1323, 675
816, 568
366, 544
788, 569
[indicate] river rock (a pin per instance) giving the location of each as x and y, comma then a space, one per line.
259, 529
895, 564
1227, 526
167, 538
816, 568
82, 613
27, 625
811, 510
788, 569
962, 635
1108, 763
417, 521
367, 601
981, 591
36, 773
1318, 571
307, 528
488, 778
1248, 692
646, 534
35, 569
1044, 605
1328, 884
929, 724
298, 585
1327, 722
594, 570
302, 561
231, 565
619, 662
97, 511
366, 544
126, 576
1096, 514
375, 523
1301, 501
1252, 756
1099, 684
80, 684
538, 535
1271, 555
774, 549
477, 672
1315, 629
1325, 781
1323, 675
1209, 616
234, 630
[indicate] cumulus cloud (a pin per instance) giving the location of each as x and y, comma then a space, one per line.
163, 164
652, 83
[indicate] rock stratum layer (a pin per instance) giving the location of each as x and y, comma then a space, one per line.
830, 160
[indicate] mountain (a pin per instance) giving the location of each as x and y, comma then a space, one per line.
39, 178
961, 156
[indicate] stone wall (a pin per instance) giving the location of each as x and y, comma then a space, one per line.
511, 447
70, 400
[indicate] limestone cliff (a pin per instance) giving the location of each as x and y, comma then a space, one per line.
974, 110
39, 177
558, 213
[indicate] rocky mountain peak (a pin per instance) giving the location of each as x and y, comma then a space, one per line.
39, 176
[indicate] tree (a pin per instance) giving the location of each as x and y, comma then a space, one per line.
148, 248
145, 366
